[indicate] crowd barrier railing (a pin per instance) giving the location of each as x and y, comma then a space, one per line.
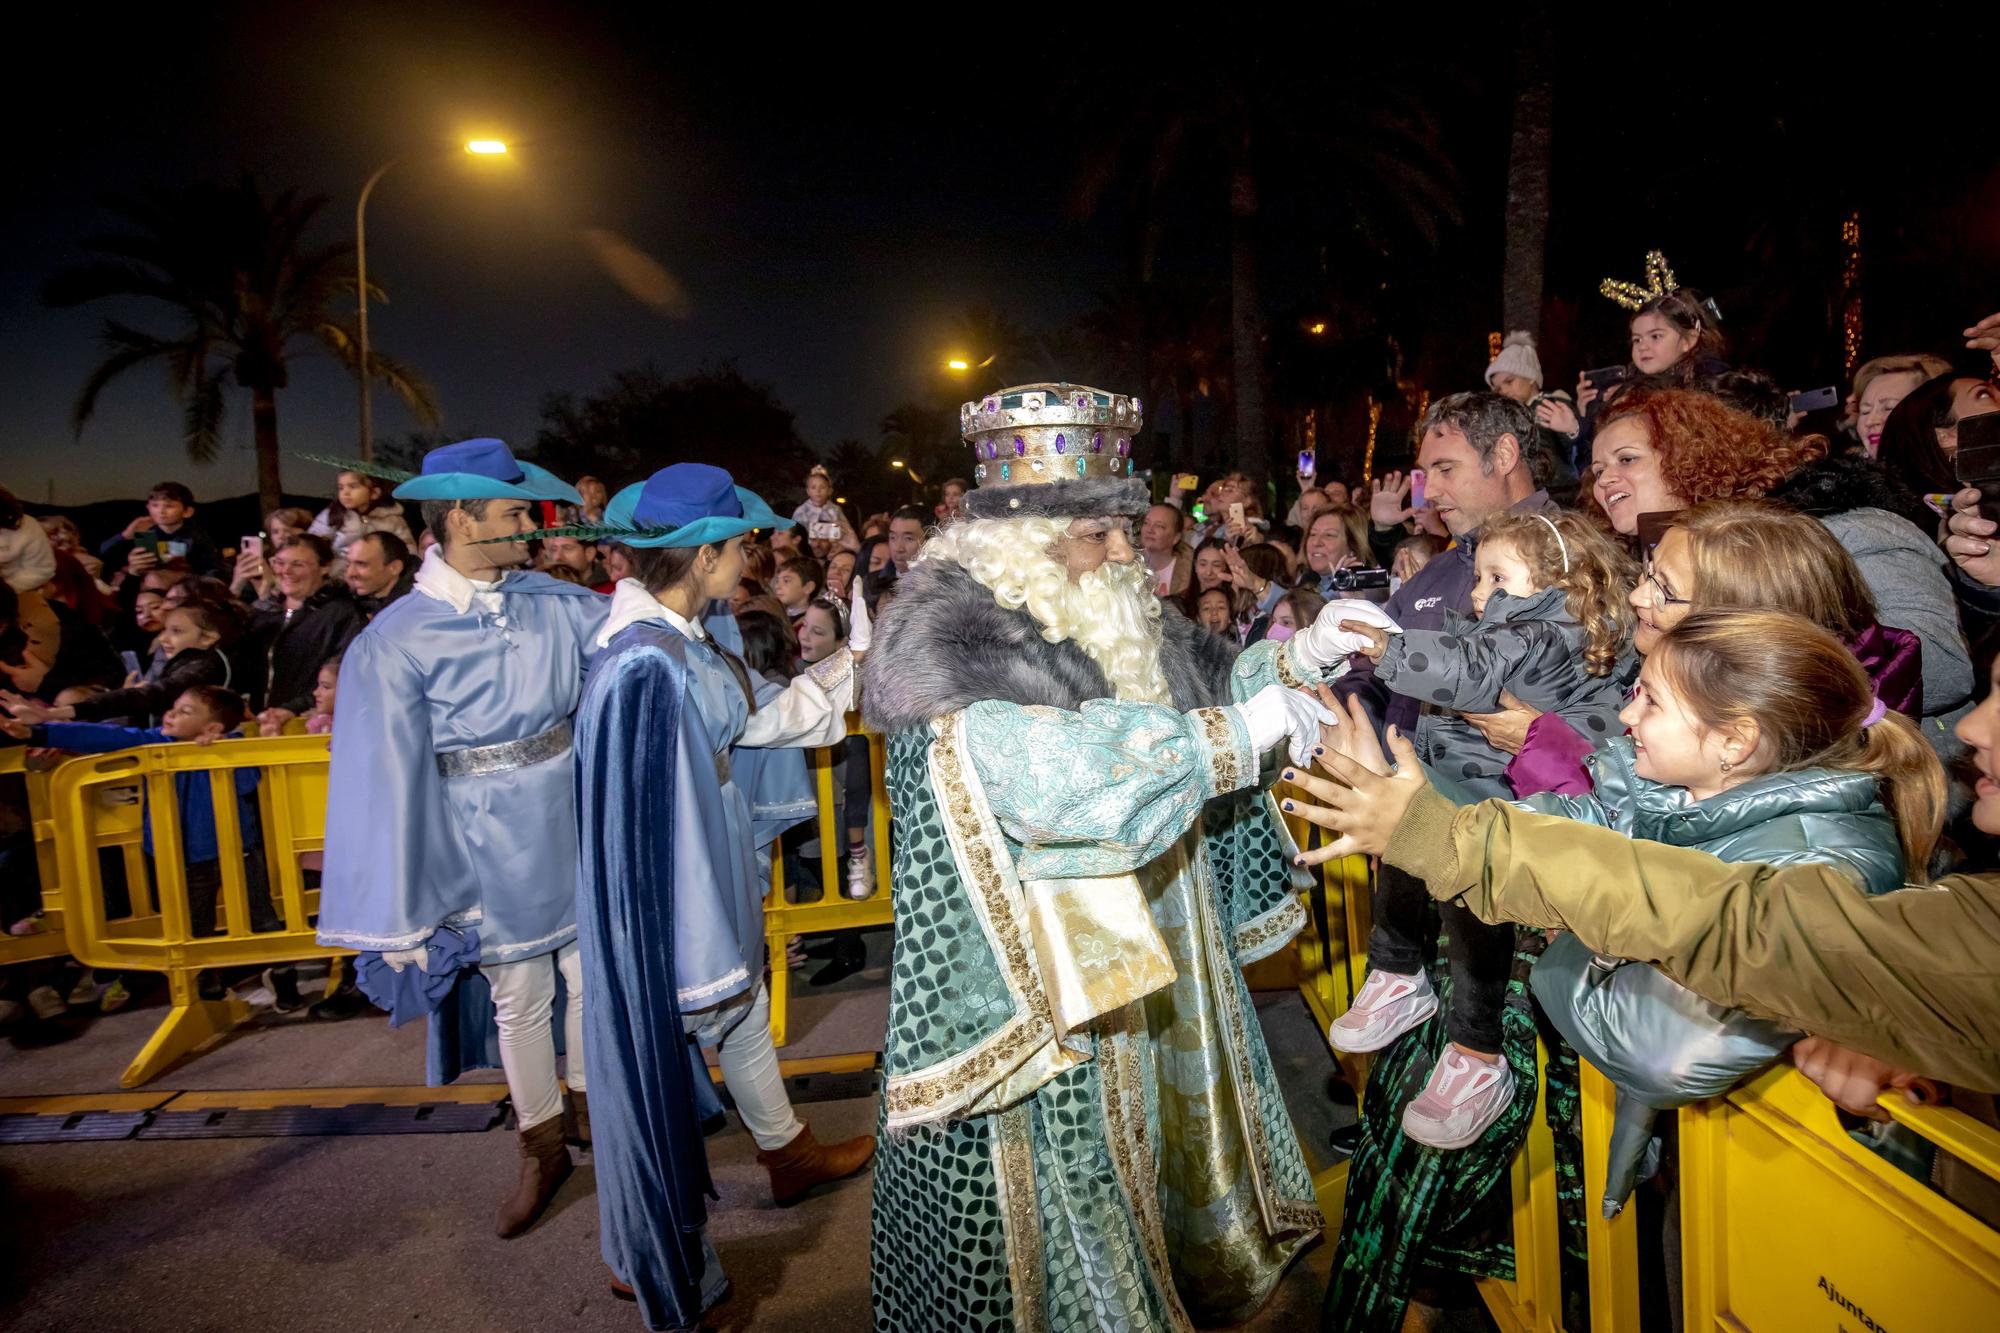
154, 933
47, 941
1786, 1221
832, 910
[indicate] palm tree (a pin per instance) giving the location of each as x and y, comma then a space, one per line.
1333, 152
1528, 170
247, 298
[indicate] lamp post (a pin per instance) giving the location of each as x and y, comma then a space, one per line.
478, 147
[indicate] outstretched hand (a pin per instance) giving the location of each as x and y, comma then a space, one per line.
1367, 799
1389, 500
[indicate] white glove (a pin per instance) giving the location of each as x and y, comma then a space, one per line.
403, 958
1275, 714
860, 629
1325, 644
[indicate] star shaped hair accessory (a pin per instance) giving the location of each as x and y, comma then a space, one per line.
1659, 281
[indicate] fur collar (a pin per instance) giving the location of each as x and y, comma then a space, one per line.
1840, 482
945, 643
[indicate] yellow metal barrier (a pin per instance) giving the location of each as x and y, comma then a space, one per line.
156, 934
47, 942
832, 910
1787, 1223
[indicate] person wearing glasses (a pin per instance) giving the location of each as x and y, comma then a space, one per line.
1753, 555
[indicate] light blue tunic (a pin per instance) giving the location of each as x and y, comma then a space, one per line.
408, 850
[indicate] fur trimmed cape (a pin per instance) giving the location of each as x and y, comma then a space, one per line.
945, 643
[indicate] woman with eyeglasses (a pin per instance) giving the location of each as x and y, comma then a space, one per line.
1751, 555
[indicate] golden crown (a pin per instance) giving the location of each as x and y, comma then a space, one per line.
1036, 433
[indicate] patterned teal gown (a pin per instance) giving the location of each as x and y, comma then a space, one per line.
1135, 1171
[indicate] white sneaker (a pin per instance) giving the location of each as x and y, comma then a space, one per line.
1390, 1004
1462, 1098
860, 875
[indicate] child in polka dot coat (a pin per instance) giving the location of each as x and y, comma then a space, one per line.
1552, 625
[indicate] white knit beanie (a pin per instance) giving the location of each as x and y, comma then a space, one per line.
1517, 357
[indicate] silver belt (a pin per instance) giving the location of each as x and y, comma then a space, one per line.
484, 759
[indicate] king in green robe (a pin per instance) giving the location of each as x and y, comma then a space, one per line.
1081, 1127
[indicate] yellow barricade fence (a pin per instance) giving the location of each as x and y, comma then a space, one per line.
48, 941
832, 910
1787, 1223
155, 934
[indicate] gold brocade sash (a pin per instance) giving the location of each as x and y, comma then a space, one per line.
1067, 951
1096, 945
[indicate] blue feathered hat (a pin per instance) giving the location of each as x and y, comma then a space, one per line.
483, 470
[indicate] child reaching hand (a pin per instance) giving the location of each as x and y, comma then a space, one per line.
1552, 626
201, 715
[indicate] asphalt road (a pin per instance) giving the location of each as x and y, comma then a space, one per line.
395, 1231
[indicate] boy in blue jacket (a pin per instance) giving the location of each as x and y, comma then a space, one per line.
202, 714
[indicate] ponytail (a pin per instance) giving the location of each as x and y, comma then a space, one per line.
1912, 783
1812, 703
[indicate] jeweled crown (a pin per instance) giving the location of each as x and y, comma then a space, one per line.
1050, 432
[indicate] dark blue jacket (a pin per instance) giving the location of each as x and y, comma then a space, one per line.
191, 790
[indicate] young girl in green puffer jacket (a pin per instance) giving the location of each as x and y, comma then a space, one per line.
1756, 737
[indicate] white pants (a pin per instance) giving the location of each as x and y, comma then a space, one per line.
740, 1029
524, 997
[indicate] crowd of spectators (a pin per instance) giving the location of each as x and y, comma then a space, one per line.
1699, 484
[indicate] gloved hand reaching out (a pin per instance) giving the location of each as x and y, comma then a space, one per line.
1325, 644
1275, 714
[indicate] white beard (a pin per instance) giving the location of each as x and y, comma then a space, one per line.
1111, 612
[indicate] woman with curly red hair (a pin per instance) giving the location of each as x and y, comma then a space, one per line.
1664, 450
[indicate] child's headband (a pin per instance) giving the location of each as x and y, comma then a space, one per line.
1561, 545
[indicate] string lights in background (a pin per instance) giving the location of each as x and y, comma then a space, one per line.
1850, 291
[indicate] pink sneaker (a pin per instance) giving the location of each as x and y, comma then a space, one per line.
1461, 1100
1389, 1005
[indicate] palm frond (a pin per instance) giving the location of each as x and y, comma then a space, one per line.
127, 348
344, 341
379, 471
583, 532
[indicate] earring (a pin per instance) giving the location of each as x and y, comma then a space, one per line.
1726, 765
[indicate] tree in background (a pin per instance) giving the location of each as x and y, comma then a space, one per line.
643, 421
1528, 170
1297, 151
248, 297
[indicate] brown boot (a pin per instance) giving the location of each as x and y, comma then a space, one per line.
576, 1118
803, 1163
545, 1165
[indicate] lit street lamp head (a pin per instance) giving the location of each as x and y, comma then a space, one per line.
486, 147
958, 363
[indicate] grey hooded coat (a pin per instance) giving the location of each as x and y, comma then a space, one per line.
1529, 645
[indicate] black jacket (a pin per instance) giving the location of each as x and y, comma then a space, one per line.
147, 701
368, 606
296, 645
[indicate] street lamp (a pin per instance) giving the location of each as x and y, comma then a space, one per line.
905, 467
476, 147
958, 363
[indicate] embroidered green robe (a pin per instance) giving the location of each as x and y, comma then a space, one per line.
1081, 1125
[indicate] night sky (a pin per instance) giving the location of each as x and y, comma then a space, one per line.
826, 202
